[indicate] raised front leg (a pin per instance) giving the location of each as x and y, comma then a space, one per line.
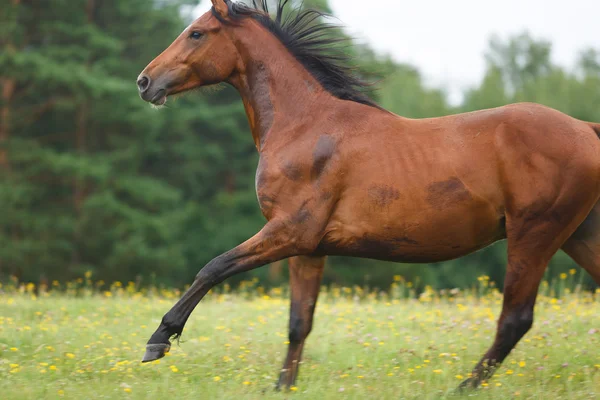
274, 242
305, 282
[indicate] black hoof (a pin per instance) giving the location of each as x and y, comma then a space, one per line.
283, 383
155, 351
282, 388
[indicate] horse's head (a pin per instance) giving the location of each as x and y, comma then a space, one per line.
203, 54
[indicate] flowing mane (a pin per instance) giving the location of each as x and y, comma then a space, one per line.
309, 41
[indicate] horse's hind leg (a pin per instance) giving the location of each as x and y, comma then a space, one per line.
305, 282
584, 245
533, 237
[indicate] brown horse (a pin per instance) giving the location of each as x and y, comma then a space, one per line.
340, 176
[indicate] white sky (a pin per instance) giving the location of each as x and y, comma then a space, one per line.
446, 39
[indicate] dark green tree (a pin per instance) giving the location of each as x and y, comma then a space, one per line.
92, 178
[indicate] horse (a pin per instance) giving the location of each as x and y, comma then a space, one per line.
340, 176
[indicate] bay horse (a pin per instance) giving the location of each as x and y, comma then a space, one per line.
338, 175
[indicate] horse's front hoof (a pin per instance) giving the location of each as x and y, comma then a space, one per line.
285, 381
155, 351
279, 387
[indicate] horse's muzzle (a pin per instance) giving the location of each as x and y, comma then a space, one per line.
156, 96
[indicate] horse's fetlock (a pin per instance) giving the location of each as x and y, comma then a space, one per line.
170, 325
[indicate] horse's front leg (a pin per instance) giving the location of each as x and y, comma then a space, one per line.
274, 242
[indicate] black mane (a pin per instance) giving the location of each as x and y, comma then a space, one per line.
309, 41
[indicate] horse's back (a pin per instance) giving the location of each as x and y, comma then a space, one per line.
434, 189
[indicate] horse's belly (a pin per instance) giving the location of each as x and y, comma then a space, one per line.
401, 249
410, 234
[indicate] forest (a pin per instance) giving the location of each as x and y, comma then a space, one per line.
93, 180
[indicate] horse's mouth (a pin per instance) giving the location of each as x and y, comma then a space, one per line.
159, 98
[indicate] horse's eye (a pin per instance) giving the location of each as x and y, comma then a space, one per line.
195, 35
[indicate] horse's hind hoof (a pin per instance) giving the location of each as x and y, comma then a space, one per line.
467, 385
155, 351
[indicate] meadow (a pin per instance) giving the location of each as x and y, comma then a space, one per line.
83, 340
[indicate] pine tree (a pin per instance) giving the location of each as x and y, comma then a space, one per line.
74, 189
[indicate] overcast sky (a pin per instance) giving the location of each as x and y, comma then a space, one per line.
446, 39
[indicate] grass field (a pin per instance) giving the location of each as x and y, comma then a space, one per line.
80, 343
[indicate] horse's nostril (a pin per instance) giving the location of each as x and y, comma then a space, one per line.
143, 83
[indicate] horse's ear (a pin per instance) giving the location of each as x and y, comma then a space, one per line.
220, 7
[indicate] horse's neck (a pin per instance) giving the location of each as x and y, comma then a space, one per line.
277, 91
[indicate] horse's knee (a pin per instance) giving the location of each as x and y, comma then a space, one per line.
208, 274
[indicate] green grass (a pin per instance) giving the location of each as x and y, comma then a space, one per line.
89, 347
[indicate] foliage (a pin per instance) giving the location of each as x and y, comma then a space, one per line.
91, 178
